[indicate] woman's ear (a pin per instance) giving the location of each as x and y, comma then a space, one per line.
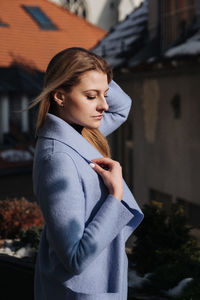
59, 96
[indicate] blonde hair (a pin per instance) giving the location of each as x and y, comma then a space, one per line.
64, 71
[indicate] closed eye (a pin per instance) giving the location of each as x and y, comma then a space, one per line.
91, 97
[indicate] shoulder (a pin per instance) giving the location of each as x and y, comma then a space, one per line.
56, 171
53, 157
50, 149
59, 160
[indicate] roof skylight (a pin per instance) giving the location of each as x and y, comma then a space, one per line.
3, 24
40, 17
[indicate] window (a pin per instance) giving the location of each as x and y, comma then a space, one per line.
40, 17
176, 106
2, 24
78, 7
176, 15
112, 5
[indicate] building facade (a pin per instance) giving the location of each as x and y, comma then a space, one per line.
164, 143
171, 19
159, 145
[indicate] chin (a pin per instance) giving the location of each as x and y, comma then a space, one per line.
92, 126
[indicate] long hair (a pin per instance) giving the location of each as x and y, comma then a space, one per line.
64, 71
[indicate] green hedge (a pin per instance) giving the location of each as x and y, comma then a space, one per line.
165, 248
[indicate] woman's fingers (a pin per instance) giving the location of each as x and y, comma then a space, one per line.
105, 162
111, 173
97, 168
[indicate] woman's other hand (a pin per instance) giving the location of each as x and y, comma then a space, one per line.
111, 173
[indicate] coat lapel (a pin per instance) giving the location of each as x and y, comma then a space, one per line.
56, 128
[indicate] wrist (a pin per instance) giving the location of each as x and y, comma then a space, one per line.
118, 196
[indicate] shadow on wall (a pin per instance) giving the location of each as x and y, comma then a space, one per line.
110, 11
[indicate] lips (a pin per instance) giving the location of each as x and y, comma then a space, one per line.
99, 117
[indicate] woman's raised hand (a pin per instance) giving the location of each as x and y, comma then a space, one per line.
111, 173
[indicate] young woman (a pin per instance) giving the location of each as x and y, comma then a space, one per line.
89, 211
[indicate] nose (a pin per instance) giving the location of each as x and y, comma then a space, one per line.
102, 104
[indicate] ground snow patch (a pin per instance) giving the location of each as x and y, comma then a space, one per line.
135, 281
16, 155
9, 249
177, 290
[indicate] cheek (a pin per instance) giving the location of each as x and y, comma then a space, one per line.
75, 107
83, 108
78, 113
80, 107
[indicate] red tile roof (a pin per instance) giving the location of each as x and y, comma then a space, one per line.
23, 41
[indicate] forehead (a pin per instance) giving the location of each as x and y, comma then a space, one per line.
94, 80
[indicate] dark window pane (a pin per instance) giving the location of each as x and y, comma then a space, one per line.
2, 24
40, 17
176, 105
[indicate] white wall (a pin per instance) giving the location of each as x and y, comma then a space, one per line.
103, 13
127, 6
106, 13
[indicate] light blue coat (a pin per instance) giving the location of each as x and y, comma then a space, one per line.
82, 249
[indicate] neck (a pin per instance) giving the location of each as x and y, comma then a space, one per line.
77, 127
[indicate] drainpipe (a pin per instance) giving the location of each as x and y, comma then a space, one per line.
197, 11
4, 116
25, 116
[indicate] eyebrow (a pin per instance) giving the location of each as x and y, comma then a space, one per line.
95, 90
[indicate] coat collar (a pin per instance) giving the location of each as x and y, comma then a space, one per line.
56, 128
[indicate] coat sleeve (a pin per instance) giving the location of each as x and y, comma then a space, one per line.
119, 106
62, 201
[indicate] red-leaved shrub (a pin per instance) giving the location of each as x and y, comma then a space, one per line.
16, 215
